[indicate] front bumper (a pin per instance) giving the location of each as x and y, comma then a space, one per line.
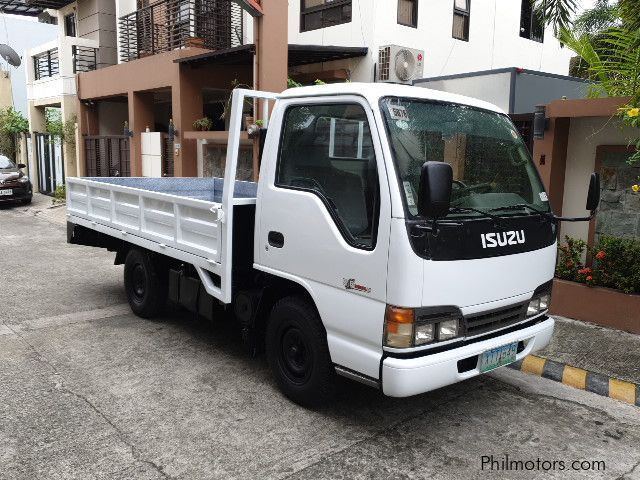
403, 377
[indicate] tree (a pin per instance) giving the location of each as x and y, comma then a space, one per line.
12, 124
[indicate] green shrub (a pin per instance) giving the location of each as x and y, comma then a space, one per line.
616, 263
570, 259
60, 194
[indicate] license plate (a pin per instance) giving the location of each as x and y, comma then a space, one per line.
6, 191
497, 357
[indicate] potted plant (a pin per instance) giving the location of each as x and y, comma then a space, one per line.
203, 124
253, 129
196, 42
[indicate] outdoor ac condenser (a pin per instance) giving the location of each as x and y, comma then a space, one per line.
399, 64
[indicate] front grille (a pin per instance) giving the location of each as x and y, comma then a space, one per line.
495, 319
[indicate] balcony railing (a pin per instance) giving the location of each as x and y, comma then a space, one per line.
84, 58
46, 64
170, 24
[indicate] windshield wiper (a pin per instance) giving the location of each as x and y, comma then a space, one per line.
521, 206
496, 219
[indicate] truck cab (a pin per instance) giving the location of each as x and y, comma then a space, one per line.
398, 236
339, 188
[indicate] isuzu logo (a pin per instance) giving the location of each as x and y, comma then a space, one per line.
502, 239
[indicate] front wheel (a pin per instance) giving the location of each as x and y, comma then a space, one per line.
298, 354
144, 284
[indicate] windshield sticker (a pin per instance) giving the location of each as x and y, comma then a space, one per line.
543, 196
408, 191
402, 125
398, 112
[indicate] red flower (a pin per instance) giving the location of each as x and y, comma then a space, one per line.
589, 278
584, 271
600, 255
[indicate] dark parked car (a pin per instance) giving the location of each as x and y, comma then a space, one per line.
15, 186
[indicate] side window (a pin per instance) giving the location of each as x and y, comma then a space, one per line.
327, 149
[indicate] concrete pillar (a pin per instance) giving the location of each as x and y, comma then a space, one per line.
87, 125
36, 124
69, 116
550, 155
272, 47
186, 106
140, 117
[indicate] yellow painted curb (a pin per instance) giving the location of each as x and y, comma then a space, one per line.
621, 390
575, 377
533, 364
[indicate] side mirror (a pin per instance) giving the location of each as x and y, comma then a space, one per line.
21, 165
593, 197
434, 195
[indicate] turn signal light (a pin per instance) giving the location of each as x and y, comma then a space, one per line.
399, 326
406, 327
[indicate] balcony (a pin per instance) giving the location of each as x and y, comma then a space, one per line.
55, 65
171, 24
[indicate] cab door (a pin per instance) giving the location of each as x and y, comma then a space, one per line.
323, 219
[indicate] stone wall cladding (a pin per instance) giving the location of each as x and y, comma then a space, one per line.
619, 213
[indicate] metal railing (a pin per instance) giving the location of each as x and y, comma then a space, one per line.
46, 64
170, 24
84, 58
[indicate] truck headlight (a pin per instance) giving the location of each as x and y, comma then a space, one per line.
538, 304
408, 327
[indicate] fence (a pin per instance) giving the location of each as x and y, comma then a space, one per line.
107, 155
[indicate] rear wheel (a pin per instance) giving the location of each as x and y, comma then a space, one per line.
144, 283
298, 354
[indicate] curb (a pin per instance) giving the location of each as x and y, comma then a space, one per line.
578, 378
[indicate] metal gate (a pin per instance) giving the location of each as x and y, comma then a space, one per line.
50, 159
107, 155
167, 156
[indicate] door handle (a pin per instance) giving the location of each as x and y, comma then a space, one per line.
276, 239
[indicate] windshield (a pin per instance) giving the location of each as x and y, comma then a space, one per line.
6, 163
491, 165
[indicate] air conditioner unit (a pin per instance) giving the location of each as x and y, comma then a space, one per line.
399, 64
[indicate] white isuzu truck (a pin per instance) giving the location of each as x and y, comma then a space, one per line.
397, 236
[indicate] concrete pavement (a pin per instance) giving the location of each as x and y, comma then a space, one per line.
88, 390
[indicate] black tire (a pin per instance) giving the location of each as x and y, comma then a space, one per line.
144, 283
298, 354
27, 201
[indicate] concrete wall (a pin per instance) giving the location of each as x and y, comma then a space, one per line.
585, 134
97, 21
6, 92
532, 90
494, 38
493, 88
112, 116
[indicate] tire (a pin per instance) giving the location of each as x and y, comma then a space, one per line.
27, 201
144, 284
298, 354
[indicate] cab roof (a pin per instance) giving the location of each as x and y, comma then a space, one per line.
374, 91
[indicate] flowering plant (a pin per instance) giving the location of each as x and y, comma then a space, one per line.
616, 263
631, 116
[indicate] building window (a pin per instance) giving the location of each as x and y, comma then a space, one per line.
461, 11
316, 14
70, 25
531, 22
408, 13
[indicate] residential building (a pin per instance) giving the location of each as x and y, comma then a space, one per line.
169, 63
454, 36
